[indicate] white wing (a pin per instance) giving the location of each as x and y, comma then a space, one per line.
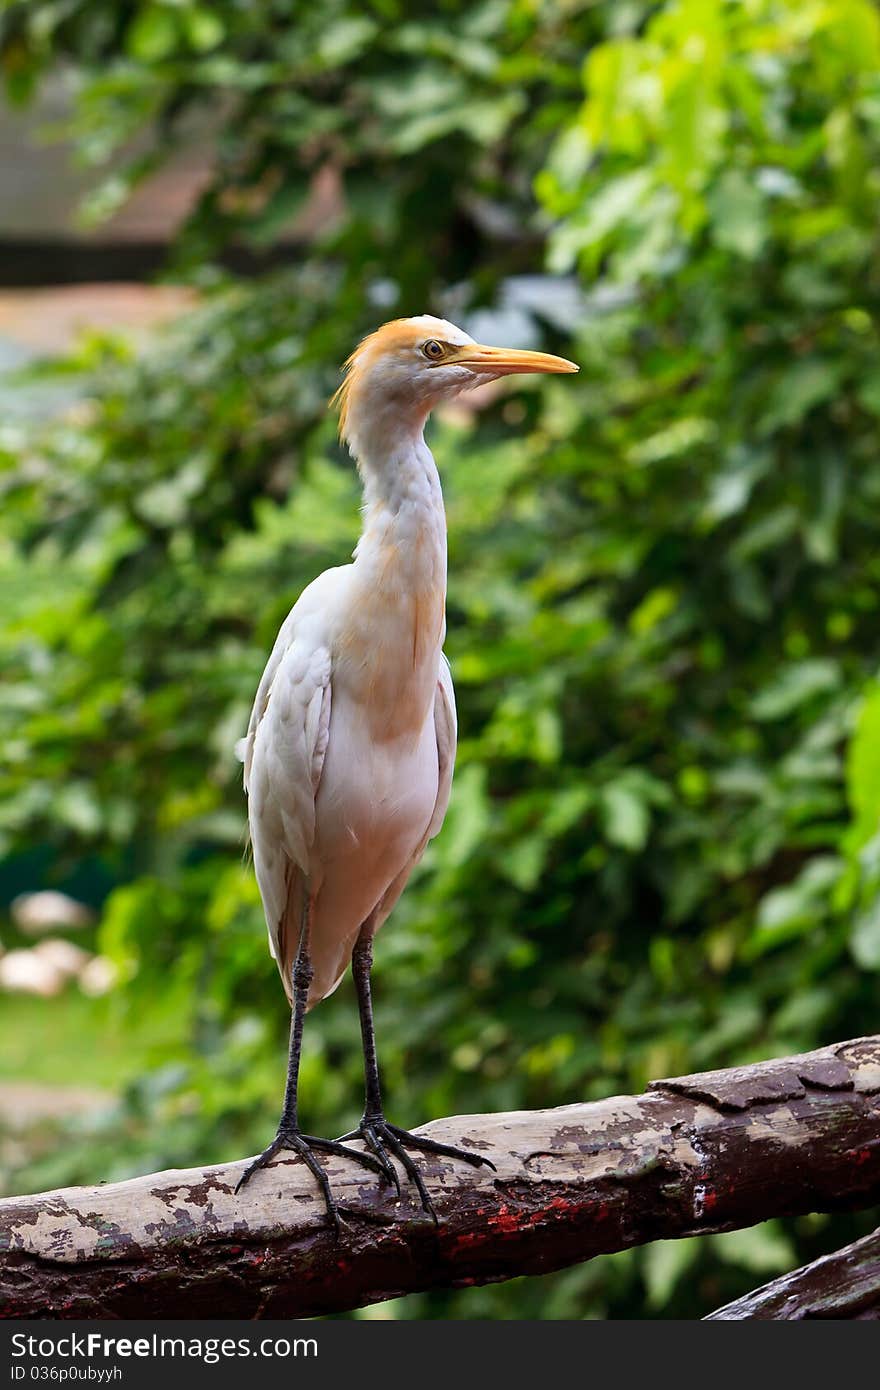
283, 755
446, 726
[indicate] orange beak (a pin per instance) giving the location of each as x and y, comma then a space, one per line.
505, 361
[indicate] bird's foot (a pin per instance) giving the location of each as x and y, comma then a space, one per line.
384, 1139
306, 1146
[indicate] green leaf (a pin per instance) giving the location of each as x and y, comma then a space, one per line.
787, 911
864, 937
793, 686
666, 1263
524, 861
204, 28
863, 771
739, 222
281, 210
153, 34
799, 389
732, 487
468, 816
624, 815
344, 39
763, 1249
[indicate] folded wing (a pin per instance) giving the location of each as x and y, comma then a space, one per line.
283, 756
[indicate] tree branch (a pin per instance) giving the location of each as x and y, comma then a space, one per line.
845, 1284
710, 1152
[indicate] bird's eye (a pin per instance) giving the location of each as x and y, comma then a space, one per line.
433, 349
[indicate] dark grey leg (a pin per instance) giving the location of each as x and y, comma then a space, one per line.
374, 1129
289, 1135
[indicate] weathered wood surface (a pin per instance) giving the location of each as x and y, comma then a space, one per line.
845, 1284
695, 1154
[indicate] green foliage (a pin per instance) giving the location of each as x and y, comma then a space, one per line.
663, 848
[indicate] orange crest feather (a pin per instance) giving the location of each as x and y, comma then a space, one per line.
397, 333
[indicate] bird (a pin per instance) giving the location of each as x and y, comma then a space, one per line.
351, 742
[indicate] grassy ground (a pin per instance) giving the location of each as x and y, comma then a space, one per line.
72, 1040
63, 1064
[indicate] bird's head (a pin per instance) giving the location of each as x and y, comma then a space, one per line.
396, 376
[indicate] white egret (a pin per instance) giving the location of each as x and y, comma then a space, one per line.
351, 742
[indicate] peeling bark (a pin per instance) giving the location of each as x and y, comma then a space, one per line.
845, 1284
695, 1154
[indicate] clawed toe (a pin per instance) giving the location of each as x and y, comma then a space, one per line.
306, 1145
431, 1146
380, 1137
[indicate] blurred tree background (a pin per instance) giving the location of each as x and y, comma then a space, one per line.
662, 852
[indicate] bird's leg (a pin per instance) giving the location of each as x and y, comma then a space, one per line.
289, 1135
382, 1138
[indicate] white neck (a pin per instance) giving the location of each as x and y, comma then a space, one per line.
402, 549
388, 650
